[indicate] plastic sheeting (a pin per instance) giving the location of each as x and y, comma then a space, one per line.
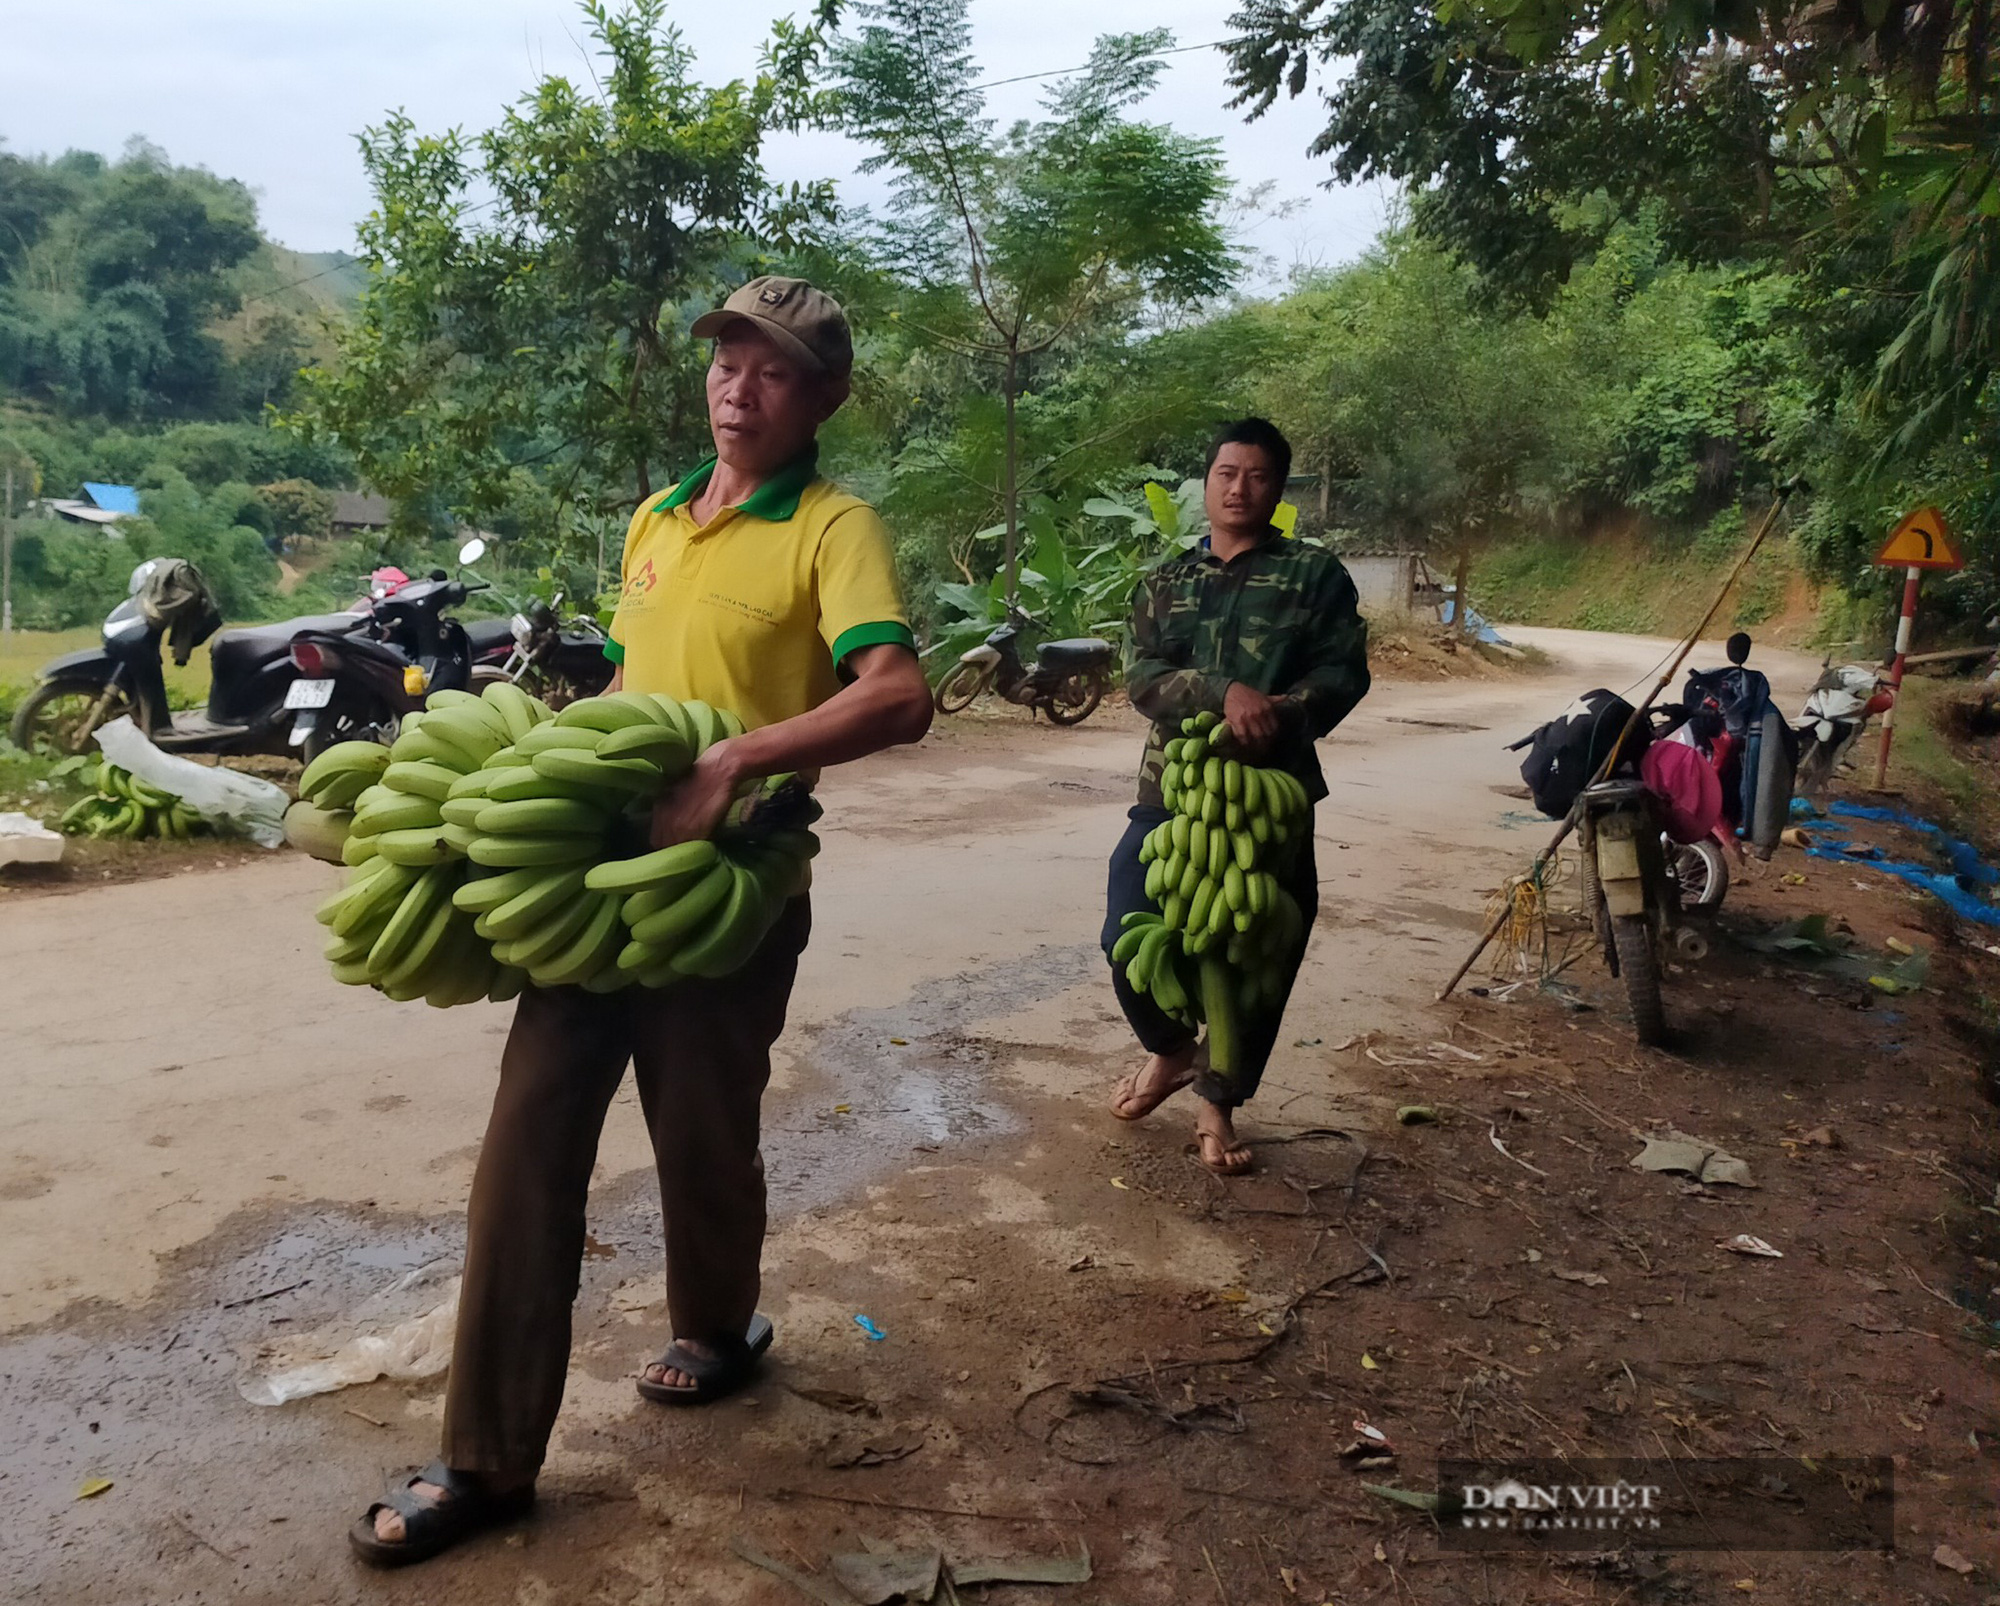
1958, 889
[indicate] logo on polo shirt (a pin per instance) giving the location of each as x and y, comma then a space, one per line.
641, 582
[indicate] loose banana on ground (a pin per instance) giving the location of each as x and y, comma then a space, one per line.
123, 805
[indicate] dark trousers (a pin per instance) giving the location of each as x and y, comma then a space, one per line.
700, 1052
1157, 1031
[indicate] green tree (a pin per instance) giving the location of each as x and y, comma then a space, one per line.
297, 509
1855, 148
1436, 415
1017, 247
110, 277
541, 333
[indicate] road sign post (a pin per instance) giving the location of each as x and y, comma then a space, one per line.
1919, 542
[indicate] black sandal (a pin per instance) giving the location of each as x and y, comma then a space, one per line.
714, 1375
431, 1527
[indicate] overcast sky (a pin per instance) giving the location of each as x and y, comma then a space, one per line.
272, 92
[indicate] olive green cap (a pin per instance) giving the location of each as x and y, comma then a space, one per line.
807, 324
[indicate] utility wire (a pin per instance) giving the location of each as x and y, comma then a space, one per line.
1064, 72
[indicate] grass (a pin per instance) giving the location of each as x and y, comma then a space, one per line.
1635, 585
1950, 780
23, 653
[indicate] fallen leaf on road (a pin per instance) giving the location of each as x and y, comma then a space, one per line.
836, 1400
1589, 1279
91, 1488
1744, 1244
1415, 1499
851, 1450
876, 1578
1694, 1157
1119, 1183
1369, 1363
1024, 1569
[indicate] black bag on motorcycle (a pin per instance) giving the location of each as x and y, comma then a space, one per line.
1565, 754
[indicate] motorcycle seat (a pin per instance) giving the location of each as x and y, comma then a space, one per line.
489, 634
1076, 652
238, 652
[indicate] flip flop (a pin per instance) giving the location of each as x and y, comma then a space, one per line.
1130, 1085
714, 1375
1223, 1167
431, 1527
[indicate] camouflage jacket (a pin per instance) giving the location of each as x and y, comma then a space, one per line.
1282, 618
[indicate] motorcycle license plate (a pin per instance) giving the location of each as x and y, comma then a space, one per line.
309, 694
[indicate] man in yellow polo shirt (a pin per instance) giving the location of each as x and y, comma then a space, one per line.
756, 586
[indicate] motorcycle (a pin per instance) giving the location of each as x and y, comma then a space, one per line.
251, 673
538, 652
1835, 714
1643, 828
1068, 680
356, 685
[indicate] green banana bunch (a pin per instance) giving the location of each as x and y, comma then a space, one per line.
123, 805
1212, 870
493, 845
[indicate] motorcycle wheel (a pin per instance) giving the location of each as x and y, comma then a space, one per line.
57, 715
1074, 699
1702, 871
1639, 969
957, 690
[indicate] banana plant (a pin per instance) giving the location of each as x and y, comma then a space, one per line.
1076, 590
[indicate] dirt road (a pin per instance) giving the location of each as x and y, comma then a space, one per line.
209, 1145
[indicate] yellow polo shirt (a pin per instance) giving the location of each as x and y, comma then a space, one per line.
755, 610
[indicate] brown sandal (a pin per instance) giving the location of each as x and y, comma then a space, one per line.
1223, 1167
1128, 1088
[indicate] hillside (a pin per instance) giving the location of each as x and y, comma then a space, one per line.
1653, 585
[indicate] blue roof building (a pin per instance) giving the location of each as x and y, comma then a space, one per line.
121, 499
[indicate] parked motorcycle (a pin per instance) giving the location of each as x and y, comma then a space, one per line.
1068, 680
1837, 711
359, 683
536, 650
251, 671
1639, 875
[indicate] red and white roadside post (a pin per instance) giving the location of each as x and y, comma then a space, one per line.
1914, 578
1919, 542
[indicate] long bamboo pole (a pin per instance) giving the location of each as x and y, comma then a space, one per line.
1611, 759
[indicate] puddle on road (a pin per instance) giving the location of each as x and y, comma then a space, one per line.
148, 1394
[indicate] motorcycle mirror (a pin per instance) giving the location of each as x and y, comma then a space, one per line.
471, 552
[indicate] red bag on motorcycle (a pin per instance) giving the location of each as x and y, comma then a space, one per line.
1681, 776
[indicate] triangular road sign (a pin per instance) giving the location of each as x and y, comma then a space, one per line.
1920, 541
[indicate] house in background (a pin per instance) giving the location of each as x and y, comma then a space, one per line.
357, 512
1389, 581
100, 504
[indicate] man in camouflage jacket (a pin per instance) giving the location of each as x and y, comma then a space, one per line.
1265, 632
